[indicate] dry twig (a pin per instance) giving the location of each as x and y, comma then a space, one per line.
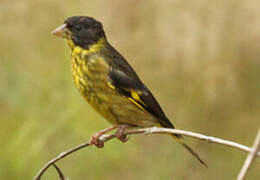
61, 176
153, 130
250, 158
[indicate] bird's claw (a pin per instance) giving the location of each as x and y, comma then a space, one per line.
120, 134
95, 141
122, 137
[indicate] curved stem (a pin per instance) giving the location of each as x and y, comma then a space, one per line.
153, 130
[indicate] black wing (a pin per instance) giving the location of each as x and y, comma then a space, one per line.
135, 90
127, 82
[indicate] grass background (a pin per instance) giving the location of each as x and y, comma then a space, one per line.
200, 59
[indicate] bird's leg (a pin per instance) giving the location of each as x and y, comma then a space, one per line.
120, 133
95, 138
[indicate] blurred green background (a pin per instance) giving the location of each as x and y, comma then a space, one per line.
201, 59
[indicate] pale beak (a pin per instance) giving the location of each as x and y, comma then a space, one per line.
61, 31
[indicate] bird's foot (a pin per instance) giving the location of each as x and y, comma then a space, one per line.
120, 133
95, 138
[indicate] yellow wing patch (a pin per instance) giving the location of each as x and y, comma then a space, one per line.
137, 100
136, 96
136, 103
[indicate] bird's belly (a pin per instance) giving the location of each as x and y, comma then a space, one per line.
114, 107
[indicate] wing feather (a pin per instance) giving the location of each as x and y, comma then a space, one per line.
137, 93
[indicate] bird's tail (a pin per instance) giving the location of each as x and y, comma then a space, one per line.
178, 138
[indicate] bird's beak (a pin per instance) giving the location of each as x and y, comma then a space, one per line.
61, 31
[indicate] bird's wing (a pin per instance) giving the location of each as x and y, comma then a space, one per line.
135, 91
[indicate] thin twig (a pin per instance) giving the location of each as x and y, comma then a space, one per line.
154, 130
62, 155
62, 177
250, 157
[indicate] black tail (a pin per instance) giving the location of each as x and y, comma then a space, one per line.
189, 149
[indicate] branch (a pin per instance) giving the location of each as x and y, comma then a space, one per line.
62, 155
62, 177
250, 157
153, 130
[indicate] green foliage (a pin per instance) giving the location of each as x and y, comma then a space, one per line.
201, 61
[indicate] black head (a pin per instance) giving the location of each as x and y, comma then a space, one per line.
82, 30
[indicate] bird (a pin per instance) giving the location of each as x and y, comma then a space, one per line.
109, 83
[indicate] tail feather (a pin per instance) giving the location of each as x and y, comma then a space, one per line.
190, 150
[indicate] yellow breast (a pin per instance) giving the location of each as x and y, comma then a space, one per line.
90, 74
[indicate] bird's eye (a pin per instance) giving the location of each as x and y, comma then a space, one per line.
78, 27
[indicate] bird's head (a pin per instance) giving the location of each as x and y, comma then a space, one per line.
82, 30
